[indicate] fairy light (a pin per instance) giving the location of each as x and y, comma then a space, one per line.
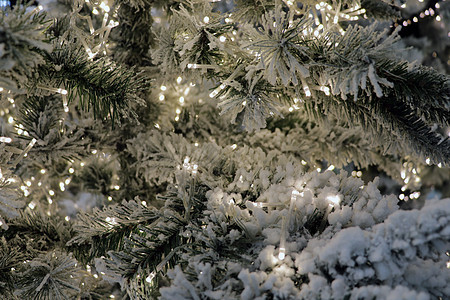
62, 187
334, 199
213, 94
161, 97
104, 6
222, 39
4, 139
325, 89
150, 277
179, 79
282, 250
32, 205
307, 90
194, 169
51, 192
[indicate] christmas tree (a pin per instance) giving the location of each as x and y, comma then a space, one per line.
246, 149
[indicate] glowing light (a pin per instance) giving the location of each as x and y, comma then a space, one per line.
303, 162
4, 139
161, 97
179, 79
109, 198
62, 187
10, 120
71, 170
32, 205
194, 169
150, 277
234, 146
28, 183
282, 254
163, 88
104, 6
326, 90
307, 91
51, 193
222, 38
67, 181
116, 187
213, 94
403, 174
206, 19
331, 168
335, 199
181, 100
401, 196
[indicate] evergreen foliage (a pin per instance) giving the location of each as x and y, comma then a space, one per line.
196, 149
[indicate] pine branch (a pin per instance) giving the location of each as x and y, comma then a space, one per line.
104, 230
10, 260
133, 36
381, 10
10, 200
22, 34
54, 275
101, 85
35, 231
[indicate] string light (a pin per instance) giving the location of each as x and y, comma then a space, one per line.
150, 277
4, 139
282, 250
334, 199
